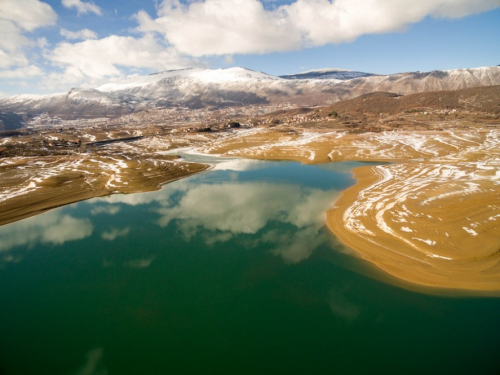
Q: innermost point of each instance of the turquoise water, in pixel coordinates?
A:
(226, 272)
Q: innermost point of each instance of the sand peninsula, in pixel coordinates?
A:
(30, 186)
(431, 217)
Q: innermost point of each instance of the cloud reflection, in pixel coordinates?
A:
(52, 227)
(342, 307)
(140, 263)
(114, 233)
(230, 209)
(287, 217)
(297, 246)
(93, 364)
(238, 165)
(110, 210)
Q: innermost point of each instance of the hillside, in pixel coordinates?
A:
(237, 87)
(340, 74)
(378, 111)
(482, 99)
(413, 82)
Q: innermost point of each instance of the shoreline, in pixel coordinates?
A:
(55, 194)
(404, 262)
(429, 216)
(426, 215)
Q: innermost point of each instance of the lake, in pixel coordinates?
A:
(227, 272)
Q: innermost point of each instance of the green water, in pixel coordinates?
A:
(227, 272)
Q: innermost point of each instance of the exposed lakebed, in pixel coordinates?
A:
(231, 271)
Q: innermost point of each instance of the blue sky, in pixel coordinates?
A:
(53, 45)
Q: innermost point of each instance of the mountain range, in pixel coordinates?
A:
(215, 89)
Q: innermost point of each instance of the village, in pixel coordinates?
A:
(52, 134)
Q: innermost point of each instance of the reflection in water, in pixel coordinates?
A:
(114, 233)
(133, 297)
(140, 263)
(284, 216)
(54, 228)
(238, 165)
(229, 209)
(341, 306)
(221, 211)
(247, 208)
(110, 210)
(93, 364)
(295, 246)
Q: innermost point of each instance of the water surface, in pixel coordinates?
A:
(227, 272)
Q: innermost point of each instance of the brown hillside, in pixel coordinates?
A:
(481, 99)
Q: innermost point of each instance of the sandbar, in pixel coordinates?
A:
(31, 186)
(448, 242)
(431, 217)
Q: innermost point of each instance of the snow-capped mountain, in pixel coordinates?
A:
(340, 74)
(206, 88)
(437, 80)
(207, 76)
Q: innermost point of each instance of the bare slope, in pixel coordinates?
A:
(236, 87)
(484, 99)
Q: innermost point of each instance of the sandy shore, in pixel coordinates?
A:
(431, 218)
(313, 147)
(30, 186)
(452, 243)
(433, 221)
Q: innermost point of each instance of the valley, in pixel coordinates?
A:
(427, 213)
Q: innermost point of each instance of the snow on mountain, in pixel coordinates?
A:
(205, 88)
(217, 76)
(328, 73)
(412, 82)
(29, 98)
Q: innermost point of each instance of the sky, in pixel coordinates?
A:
(53, 45)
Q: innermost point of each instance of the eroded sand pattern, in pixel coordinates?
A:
(29, 186)
(432, 219)
(432, 224)
(312, 147)
(435, 222)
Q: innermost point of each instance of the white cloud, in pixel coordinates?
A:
(224, 27)
(22, 72)
(12, 58)
(228, 59)
(27, 14)
(81, 34)
(221, 27)
(322, 21)
(95, 61)
(82, 7)
(12, 39)
(182, 32)
(16, 18)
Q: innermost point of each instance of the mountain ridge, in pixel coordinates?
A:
(234, 87)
